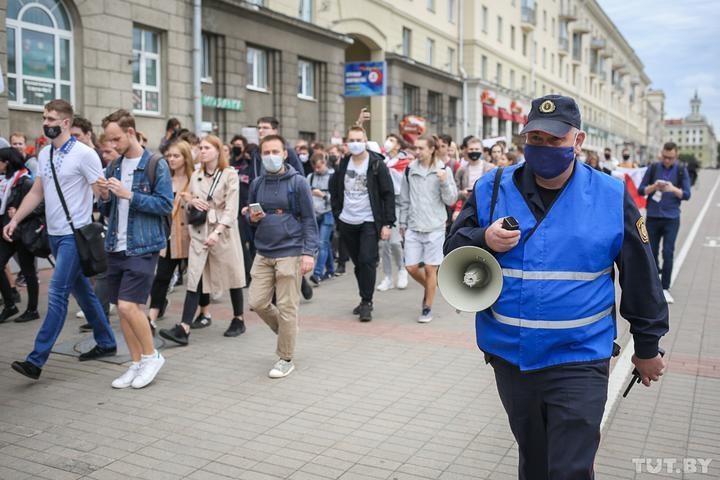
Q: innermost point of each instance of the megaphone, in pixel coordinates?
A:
(470, 279)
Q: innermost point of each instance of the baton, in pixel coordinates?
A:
(636, 376)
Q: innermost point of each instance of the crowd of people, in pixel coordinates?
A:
(217, 217)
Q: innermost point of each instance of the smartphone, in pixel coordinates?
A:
(255, 208)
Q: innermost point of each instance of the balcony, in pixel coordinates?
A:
(598, 43)
(564, 44)
(577, 56)
(602, 74)
(568, 12)
(582, 26)
(528, 19)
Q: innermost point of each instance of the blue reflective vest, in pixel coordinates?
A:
(558, 296)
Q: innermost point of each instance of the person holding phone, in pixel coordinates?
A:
(215, 261)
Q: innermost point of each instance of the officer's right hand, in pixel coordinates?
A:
(499, 239)
(650, 369)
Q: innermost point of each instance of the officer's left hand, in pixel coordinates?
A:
(650, 369)
(307, 262)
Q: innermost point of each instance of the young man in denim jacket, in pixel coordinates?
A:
(135, 200)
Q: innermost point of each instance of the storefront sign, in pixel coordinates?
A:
(222, 103)
(488, 97)
(365, 79)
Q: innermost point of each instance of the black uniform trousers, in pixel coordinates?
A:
(555, 416)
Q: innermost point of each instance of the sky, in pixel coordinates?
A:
(678, 41)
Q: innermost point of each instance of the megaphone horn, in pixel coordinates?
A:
(470, 279)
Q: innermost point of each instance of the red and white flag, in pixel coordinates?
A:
(632, 178)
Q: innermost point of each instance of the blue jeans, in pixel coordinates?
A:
(667, 230)
(325, 257)
(66, 279)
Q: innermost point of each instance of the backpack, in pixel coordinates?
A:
(680, 174)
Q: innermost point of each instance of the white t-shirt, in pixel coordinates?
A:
(78, 167)
(356, 203)
(127, 169)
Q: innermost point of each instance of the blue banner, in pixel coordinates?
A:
(365, 79)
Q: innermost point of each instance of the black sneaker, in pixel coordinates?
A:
(365, 311)
(161, 313)
(28, 316)
(27, 369)
(201, 321)
(86, 328)
(340, 270)
(356, 310)
(306, 289)
(315, 280)
(236, 328)
(20, 280)
(16, 298)
(8, 313)
(176, 334)
(97, 352)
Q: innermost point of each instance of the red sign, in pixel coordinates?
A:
(413, 125)
(487, 98)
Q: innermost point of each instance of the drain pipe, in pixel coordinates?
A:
(461, 62)
(197, 65)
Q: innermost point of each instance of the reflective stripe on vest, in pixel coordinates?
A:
(582, 276)
(552, 324)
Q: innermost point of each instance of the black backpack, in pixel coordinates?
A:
(680, 174)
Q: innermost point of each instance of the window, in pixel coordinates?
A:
(552, 63)
(523, 84)
(452, 111)
(259, 3)
(484, 67)
(553, 28)
(450, 59)
(306, 79)
(451, 11)
(434, 106)
(512, 37)
(499, 29)
(545, 20)
(257, 68)
(430, 51)
(406, 39)
(305, 10)
(512, 79)
(524, 44)
(146, 71)
(544, 56)
(207, 58)
(430, 5)
(40, 53)
(411, 96)
(484, 19)
(498, 74)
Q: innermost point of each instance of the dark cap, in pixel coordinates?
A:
(553, 114)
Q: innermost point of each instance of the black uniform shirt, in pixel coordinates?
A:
(642, 302)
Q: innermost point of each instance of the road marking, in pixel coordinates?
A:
(623, 367)
(712, 242)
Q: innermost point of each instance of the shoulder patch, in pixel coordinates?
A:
(642, 230)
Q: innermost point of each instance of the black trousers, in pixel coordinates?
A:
(555, 416)
(158, 292)
(27, 267)
(361, 242)
(193, 299)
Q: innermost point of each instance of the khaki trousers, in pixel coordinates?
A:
(280, 276)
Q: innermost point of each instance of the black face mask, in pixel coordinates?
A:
(626, 157)
(236, 151)
(475, 155)
(52, 132)
(332, 159)
(607, 156)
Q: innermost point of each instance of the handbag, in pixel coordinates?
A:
(90, 239)
(198, 217)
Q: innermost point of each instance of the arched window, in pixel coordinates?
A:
(40, 52)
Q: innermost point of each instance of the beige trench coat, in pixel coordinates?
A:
(221, 266)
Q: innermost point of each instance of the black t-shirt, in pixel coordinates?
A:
(547, 195)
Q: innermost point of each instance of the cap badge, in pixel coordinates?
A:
(547, 106)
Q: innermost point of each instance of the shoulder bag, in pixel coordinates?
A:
(198, 217)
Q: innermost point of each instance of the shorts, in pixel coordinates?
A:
(130, 278)
(425, 247)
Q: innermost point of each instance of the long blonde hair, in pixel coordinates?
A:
(186, 152)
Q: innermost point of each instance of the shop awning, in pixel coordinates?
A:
(504, 114)
(489, 111)
(518, 118)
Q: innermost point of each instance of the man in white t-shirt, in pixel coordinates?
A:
(363, 202)
(78, 171)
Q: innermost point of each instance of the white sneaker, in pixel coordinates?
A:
(80, 314)
(282, 368)
(668, 298)
(112, 310)
(385, 285)
(148, 369)
(402, 281)
(425, 315)
(126, 379)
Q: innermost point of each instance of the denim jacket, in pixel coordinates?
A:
(148, 207)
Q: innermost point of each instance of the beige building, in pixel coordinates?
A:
(467, 66)
(694, 135)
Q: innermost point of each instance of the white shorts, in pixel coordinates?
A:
(424, 247)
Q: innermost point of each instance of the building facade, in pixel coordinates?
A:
(694, 135)
(468, 67)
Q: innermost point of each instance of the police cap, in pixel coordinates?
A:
(553, 114)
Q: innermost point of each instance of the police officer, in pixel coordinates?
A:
(549, 336)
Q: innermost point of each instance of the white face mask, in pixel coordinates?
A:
(356, 148)
(304, 157)
(389, 145)
(272, 163)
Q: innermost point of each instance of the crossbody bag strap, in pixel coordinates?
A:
(496, 188)
(213, 186)
(59, 191)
